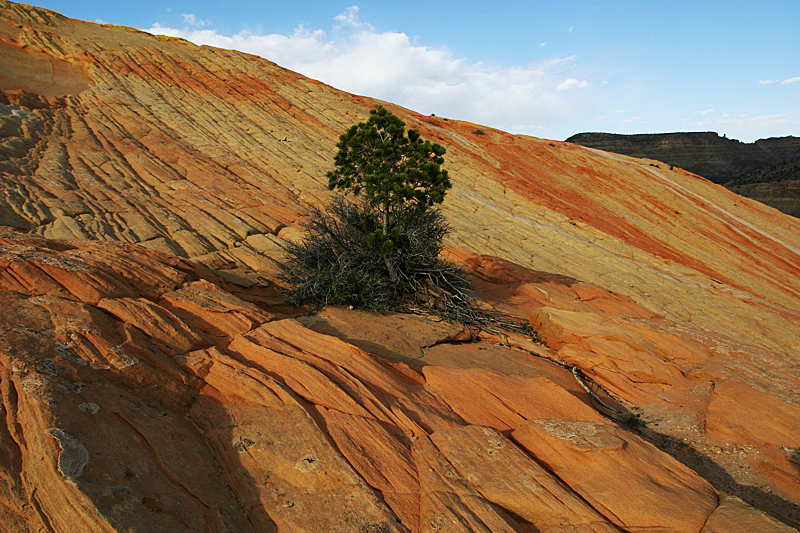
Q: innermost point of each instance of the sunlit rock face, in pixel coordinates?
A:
(152, 378)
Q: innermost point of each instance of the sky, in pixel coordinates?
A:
(548, 69)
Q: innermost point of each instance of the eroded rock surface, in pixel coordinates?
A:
(143, 392)
(215, 155)
(152, 378)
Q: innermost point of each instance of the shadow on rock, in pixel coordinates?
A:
(770, 504)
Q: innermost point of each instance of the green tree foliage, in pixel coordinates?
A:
(397, 172)
(382, 249)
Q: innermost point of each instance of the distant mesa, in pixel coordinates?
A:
(760, 170)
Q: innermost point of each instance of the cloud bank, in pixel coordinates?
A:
(549, 97)
(356, 58)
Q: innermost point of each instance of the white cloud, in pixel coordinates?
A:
(390, 66)
(570, 84)
(191, 20)
(570, 29)
(784, 82)
(629, 120)
(542, 44)
(350, 18)
(704, 112)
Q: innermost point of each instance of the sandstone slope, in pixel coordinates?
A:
(213, 155)
(143, 393)
(679, 297)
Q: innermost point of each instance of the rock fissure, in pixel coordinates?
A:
(37, 506)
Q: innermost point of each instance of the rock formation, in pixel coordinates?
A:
(716, 158)
(777, 185)
(719, 159)
(153, 380)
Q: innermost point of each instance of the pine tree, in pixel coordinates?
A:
(399, 173)
(383, 252)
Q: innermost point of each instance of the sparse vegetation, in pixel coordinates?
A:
(381, 250)
(341, 262)
(632, 420)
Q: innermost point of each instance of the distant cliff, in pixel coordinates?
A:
(716, 158)
(777, 185)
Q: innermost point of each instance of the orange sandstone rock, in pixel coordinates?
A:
(518, 483)
(589, 456)
(142, 390)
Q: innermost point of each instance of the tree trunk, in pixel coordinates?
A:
(385, 216)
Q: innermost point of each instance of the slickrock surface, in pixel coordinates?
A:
(139, 394)
(215, 155)
(157, 382)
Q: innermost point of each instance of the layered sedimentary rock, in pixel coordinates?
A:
(142, 392)
(153, 380)
(782, 195)
(776, 185)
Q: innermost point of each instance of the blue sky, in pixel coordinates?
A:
(549, 69)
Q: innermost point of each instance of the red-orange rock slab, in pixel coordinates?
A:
(392, 336)
(97, 457)
(635, 376)
(503, 402)
(740, 413)
(448, 502)
(558, 328)
(237, 383)
(382, 456)
(284, 470)
(158, 322)
(370, 387)
(737, 411)
(357, 362)
(517, 482)
(629, 481)
(304, 379)
(213, 310)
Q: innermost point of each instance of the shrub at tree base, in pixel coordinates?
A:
(340, 262)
